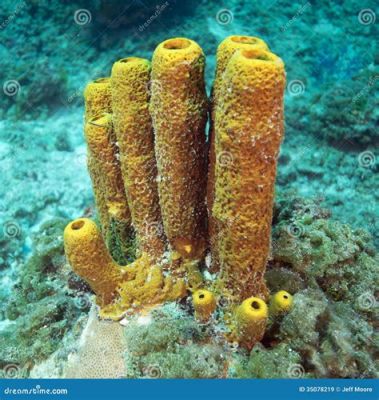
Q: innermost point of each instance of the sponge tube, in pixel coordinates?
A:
(134, 132)
(249, 130)
(225, 50)
(179, 110)
(89, 258)
(98, 133)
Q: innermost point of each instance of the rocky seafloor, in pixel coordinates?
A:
(325, 225)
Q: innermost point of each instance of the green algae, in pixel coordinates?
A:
(46, 302)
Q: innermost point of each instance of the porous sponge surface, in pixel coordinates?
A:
(102, 151)
(179, 109)
(89, 258)
(249, 129)
(134, 132)
(97, 100)
(225, 50)
(97, 96)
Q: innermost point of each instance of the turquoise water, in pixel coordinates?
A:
(50, 50)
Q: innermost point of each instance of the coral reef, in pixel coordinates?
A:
(174, 136)
(47, 58)
(328, 254)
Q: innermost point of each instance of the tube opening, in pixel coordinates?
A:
(101, 80)
(255, 305)
(129, 59)
(285, 297)
(201, 296)
(256, 55)
(244, 39)
(76, 225)
(100, 119)
(177, 44)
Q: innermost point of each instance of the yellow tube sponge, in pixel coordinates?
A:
(249, 130)
(134, 132)
(97, 100)
(140, 285)
(89, 258)
(225, 50)
(98, 134)
(204, 303)
(250, 320)
(97, 97)
(178, 107)
(280, 303)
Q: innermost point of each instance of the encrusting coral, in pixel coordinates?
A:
(152, 133)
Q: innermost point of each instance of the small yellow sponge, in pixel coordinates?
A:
(204, 303)
(280, 303)
(139, 285)
(251, 318)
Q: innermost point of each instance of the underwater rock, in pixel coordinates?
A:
(278, 362)
(168, 343)
(327, 254)
(348, 111)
